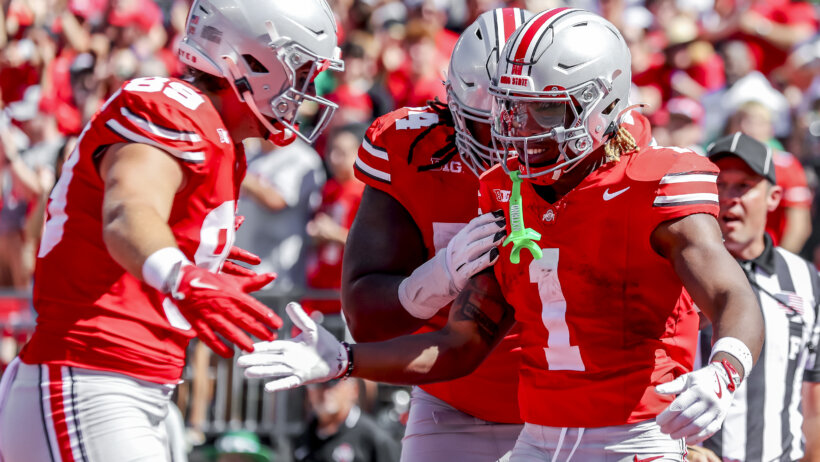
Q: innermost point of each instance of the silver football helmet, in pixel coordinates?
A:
(562, 83)
(472, 67)
(269, 52)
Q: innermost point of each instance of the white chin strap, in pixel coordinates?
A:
(247, 97)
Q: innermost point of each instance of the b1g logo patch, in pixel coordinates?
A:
(454, 166)
(502, 195)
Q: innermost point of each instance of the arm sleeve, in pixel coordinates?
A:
(372, 162)
(155, 119)
(688, 186)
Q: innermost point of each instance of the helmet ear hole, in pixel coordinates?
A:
(611, 106)
(478, 33)
(254, 64)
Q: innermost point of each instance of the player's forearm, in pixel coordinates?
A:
(132, 233)
(479, 318)
(715, 281)
(263, 193)
(417, 359)
(738, 316)
(734, 312)
(372, 308)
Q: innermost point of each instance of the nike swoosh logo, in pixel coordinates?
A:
(197, 283)
(648, 459)
(608, 195)
(719, 391)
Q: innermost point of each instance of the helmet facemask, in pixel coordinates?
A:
(471, 125)
(302, 67)
(547, 130)
(278, 114)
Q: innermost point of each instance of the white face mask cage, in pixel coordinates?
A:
(574, 141)
(286, 105)
(477, 156)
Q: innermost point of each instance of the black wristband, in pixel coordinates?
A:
(349, 369)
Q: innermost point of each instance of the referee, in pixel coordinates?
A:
(765, 422)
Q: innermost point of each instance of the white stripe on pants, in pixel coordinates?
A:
(438, 432)
(623, 443)
(65, 414)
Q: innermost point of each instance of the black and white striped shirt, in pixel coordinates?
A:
(764, 421)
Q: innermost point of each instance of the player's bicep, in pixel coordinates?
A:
(139, 175)
(480, 316)
(694, 246)
(382, 239)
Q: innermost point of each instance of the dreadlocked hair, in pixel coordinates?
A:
(449, 150)
(622, 142)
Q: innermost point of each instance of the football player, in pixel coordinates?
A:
(623, 242)
(132, 263)
(416, 241)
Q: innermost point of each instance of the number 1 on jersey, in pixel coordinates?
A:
(561, 356)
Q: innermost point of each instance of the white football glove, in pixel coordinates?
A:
(704, 397)
(438, 281)
(312, 356)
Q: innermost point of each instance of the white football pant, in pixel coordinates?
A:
(639, 442)
(51, 413)
(438, 432)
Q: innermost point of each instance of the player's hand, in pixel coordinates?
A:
(220, 304)
(700, 454)
(438, 281)
(243, 256)
(312, 356)
(704, 397)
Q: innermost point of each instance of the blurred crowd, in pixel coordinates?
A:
(701, 68)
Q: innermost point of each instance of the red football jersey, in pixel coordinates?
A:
(796, 193)
(604, 318)
(91, 312)
(410, 154)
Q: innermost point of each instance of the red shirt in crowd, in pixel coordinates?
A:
(796, 193)
(340, 201)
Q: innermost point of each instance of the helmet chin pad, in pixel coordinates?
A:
(281, 135)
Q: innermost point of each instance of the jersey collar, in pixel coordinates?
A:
(765, 260)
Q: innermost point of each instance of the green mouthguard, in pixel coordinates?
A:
(521, 237)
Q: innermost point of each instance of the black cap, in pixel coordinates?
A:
(758, 156)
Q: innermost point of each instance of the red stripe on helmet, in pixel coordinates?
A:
(508, 19)
(533, 29)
